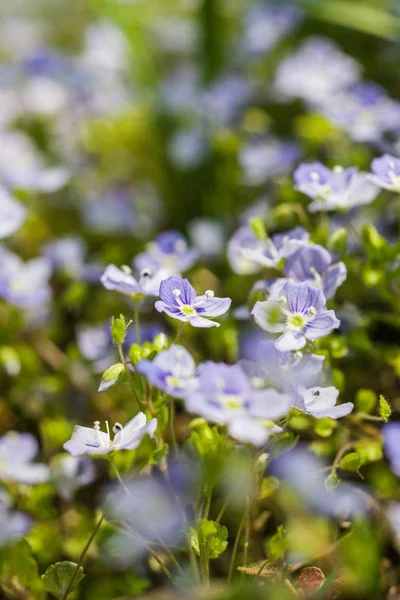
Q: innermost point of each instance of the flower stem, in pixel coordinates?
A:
(172, 424)
(204, 567)
(236, 546)
(129, 375)
(81, 558)
(178, 335)
(137, 323)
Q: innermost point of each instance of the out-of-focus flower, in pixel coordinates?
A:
(208, 237)
(124, 210)
(321, 402)
(304, 472)
(263, 158)
(17, 451)
(172, 371)
(12, 214)
(123, 281)
(363, 111)
(266, 24)
(179, 301)
(336, 189)
(21, 166)
(168, 251)
(247, 253)
(391, 436)
(224, 395)
(151, 510)
(67, 255)
(316, 70)
(71, 473)
(13, 525)
(188, 148)
(222, 102)
(313, 263)
(91, 440)
(25, 284)
(386, 172)
(298, 314)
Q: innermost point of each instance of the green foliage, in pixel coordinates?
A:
(118, 329)
(365, 401)
(58, 577)
(351, 462)
(258, 228)
(269, 485)
(278, 544)
(325, 427)
(215, 537)
(385, 409)
(286, 442)
(114, 374)
(19, 575)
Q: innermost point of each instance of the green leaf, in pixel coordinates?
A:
(113, 372)
(258, 228)
(158, 455)
(338, 241)
(269, 485)
(365, 400)
(332, 482)
(325, 427)
(370, 451)
(214, 535)
(285, 443)
(19, 572)
(57, 578)
(118, 329)
(384, 408)
(351, 462)
(278, 544)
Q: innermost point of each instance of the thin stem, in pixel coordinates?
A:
(340, 455)
(81, 558)
(204, 567)
(149, 549)
(235, 547)
(178, 335)
(193, 559)
(128, 373)
(261, 569)
(247, 531)
(137, 323)
(172, 425)
(367, 417)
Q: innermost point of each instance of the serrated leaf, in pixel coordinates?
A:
(213, 534)
(384, 408)
(58, 577)
(351, 462)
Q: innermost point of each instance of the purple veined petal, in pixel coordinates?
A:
(176, 360)
(171, 311)
(151, 284)
(212, 307)
(202, 404)
(270, 316)
(197, 321)
(18, 447)
(334, 277)
(323, 323)
(302, 296)
(86, 440)
(291, 340)
(312, 257)
(187, 293)
(249, 431)
(269, 404)
(215, 378)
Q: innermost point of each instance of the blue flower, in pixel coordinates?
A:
(262, 158)
(169, 251)
(224, 395)
(386, 172)
(13, 525)
(313, 263)
(70, 473)
(298, 313)
(391, 437)
(266, 24)
(316, 70)
(25, 284)
(321, 402)
(179, 300)
(336, 189)
(91, 440)
(123, 281)
(12, 214)
(363, 111)
(247, 254)
(17, 451)
(172, 371)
